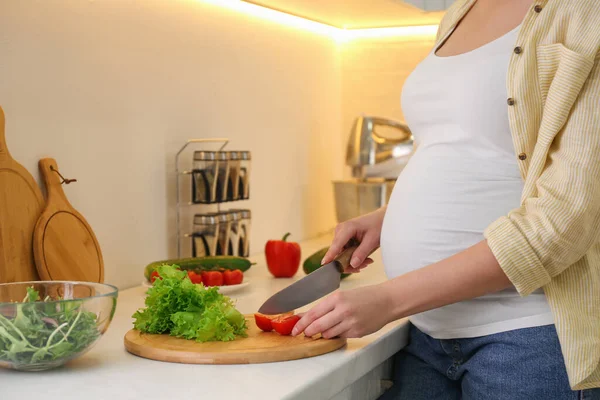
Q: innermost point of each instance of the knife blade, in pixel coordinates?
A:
(312, 287)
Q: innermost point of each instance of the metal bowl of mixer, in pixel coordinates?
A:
(377, 151)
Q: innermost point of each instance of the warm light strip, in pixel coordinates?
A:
(421, 30)
(278, 17)
(319, 28)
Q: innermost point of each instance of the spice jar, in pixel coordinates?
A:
(224, 245)
(244, 178)
(244, 233)
(204, 177)
(223, 182)
(234, 238)
(205, 235)
(234, 175)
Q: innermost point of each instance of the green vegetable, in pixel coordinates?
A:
(43, 331)
(202, 264)
(313, 262)
(176, 306)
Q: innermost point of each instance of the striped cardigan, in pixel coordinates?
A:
(552, 241)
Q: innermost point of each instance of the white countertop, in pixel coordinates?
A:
(108, 371)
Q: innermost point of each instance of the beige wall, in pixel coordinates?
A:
(373, 73)
(113, 88)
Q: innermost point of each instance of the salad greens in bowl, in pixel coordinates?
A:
(45, 324)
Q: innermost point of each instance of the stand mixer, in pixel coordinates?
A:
(378, 149)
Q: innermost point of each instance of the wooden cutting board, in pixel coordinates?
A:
(64, 244)
(258, 347)
(21, 204)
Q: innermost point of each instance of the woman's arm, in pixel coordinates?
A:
(469, 274)
(355, 313)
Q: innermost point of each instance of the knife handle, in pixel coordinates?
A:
(343, 259)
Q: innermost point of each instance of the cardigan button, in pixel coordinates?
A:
(518, 50)
(510, 101)
(522, 156)
(537, 8)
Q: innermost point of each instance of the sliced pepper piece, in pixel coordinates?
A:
(285, 324)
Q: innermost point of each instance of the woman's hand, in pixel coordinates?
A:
(367, 230)
(347, 314)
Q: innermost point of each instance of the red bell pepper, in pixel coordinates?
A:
(283, 258)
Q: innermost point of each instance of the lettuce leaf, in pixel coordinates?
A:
(176, 306)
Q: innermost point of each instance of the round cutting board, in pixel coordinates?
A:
(21, 204)
(258, 347)
(65, 247)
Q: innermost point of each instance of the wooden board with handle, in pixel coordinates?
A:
(64, 244)
(21, 204)
(258, 347)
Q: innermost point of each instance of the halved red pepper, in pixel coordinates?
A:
(285, 324)
(265, 322)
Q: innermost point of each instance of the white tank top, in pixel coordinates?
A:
(463, 176)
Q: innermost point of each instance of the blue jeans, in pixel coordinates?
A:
(515, 365)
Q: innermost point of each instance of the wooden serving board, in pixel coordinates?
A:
(258, 347)
(64, 244)
(21, 204)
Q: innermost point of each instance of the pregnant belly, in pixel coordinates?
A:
(441, 206)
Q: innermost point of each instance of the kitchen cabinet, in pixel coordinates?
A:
(431, 5)
(371, 386)
(361, 14)
(360, 370)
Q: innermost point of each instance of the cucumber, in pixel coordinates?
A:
(313, 262)
(202, 264)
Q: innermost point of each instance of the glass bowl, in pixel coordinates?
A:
(45, 324)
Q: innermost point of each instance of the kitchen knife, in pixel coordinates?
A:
(312, 287)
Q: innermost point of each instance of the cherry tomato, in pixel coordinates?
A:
(284, 324)
(234, 277)
(194, 277)
(153, 276)
(212, 278)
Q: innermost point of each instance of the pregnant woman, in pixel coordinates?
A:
(491, 238)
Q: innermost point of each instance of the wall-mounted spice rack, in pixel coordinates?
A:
(214, 177)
